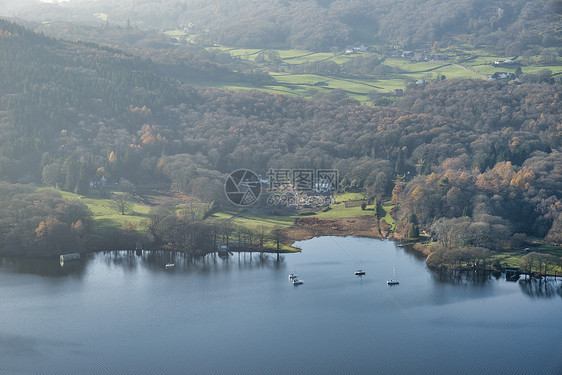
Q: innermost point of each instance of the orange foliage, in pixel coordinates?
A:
(497, 178)
(523, 178)
(112, 157)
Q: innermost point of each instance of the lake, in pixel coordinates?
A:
(123, 313)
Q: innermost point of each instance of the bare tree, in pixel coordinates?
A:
(277, 233)
(227, 229)
(123, 202)
(261, 232)
(250, 235)
(550, 262)
(529, 261)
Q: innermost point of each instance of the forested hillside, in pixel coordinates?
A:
(477, 155)
(510, 26)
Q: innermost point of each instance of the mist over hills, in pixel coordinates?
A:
(510, 26)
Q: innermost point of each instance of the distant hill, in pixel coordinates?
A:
(509, 26)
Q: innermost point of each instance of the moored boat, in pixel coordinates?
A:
(393, 281)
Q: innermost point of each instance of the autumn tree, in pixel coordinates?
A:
(123, 202)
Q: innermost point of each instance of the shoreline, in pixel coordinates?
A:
(307, 228)
(302, 229)
(265, 250)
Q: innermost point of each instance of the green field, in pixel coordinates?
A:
(339, 211)
(252, 220)
(107, 218)
(464, 62)
(345, 197)
(389, 219)
(512, 258)
(178, 34)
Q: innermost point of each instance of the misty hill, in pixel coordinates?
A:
(487, 152)
(509, 26)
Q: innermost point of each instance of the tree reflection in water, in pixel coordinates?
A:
(531, 286)
(130, 261)
(50, 267)
(455, 277)
(155, 260)
(539, 288)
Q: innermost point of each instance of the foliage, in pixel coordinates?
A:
(40, 223)
(464, 156)
(512, 26)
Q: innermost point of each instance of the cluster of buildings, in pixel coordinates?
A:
(358, 48)
(503, 76)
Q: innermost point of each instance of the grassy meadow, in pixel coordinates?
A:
(107, 217)
(463, 62)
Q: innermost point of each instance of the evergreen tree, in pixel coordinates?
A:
(71, 171)
(399, 165)
(413, 231)
(83, 184)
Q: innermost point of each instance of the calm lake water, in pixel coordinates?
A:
(125, 314)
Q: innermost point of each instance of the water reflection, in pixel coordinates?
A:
(133, 316)
(131, 261)
(454, 277)
(415, 253)
(540, 288)
(156, 261)
(531, 287)
(44, 267)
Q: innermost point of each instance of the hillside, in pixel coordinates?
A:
(512, 27)
(484, 155)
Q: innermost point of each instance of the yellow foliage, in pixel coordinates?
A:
(41, 230)
(505, 170)
(523, 178)
(148, 139)
(78, 226)
(515, 141)
(431, 178)
(112, 157)
(417, 194)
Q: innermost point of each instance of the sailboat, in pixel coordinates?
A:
(171, 264)
(293, 275)
(360, 271)
(393, 281)
(297, 281)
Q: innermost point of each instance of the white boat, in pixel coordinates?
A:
(393, 281)
(297, 281)
(170, 265)
(292, 276)
(359, 273)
